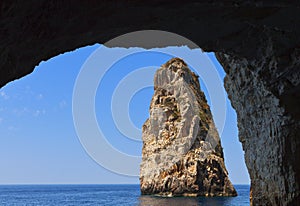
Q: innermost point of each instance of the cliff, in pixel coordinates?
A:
(182, 153)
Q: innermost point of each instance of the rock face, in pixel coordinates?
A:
(268, 131)
(182, 153)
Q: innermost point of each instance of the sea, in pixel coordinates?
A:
(123, 195)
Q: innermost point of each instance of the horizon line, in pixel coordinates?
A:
(41, 184)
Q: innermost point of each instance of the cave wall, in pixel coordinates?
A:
(268, 132)
(257, 42)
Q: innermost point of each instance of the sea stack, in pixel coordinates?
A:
(182, 153)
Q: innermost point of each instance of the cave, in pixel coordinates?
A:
(256, 42)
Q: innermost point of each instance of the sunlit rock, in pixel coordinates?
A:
(182, 153)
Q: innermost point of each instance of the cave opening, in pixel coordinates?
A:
(256, 42)
(38, 131)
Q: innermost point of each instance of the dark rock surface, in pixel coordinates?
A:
(182, 153)
(268, 132)
(257, 43)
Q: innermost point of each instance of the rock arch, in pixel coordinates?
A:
(256, 42)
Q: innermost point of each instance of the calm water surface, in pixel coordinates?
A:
(54, 195)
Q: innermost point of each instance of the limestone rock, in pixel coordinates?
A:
(182, 153)
(269, 132)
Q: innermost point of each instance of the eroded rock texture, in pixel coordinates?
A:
(182, 153)
(258, 91)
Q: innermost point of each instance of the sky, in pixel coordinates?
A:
(40, 144)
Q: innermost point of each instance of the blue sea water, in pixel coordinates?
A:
(115, 195)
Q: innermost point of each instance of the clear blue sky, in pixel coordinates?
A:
(38, 141)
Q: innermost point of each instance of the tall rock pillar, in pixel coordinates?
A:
(182, 153)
